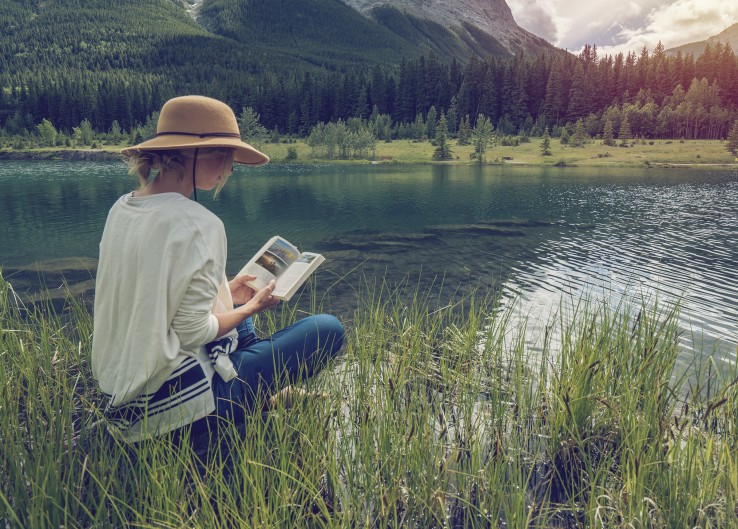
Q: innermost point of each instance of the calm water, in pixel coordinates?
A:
(545, 237)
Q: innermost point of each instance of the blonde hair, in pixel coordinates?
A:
(148, 165)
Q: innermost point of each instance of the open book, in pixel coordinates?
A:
(281, 261)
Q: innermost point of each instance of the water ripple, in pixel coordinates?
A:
(666, 245)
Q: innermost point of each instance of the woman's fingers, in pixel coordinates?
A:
(265, 298)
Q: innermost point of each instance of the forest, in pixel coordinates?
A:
(656, 94)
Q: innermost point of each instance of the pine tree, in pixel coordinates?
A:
(464, 131)
(419, 128)
(430, 123)
(451, 115)
(546, 144)
(732, 145)
(579, 136)
(608, 137)
(625, 133)
(443, 150)
(116, 133)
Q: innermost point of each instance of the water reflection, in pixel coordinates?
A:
(663, 244)
(542, 234)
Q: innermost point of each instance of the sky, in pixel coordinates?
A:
(623, 26)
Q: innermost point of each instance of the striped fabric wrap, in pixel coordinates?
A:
(185, 396)
(219, 351)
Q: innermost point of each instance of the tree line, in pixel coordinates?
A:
(655, 94)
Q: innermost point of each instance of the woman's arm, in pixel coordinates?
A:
(261, 300)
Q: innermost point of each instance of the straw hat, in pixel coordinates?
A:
(189, 122)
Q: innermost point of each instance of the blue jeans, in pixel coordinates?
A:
(293, 353)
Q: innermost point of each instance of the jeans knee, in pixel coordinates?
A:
(330, 330)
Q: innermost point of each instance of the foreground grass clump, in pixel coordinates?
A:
(432, 418)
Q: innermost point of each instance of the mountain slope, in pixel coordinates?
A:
(103, 35)
(171, 37)
(727, 36)
(331, 31)
(479, 20)
(321, 32)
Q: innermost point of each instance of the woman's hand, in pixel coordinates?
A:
(253, 302)
(240, 291)
(262, 300)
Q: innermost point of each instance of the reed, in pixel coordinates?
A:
(431, 417)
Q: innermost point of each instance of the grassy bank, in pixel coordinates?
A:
(593, 154)
(431, 419)
(697, 153)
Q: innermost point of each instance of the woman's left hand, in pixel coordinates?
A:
(240, 291)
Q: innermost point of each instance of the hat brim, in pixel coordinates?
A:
(243, 152)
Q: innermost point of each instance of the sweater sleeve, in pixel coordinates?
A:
(194, 322)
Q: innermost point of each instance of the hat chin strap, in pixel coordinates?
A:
(194, 167)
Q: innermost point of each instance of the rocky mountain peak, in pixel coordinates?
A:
(493, 17)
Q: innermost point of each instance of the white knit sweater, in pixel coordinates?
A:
(160, 277)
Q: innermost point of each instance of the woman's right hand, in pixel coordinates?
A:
(262, 300)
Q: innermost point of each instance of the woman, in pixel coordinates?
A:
(169, 346)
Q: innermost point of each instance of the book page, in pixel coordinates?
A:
(297, 273)
(270, 262)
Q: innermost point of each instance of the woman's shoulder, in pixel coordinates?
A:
(201, 216)
(170, 213)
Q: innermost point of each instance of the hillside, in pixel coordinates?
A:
(728, 36)
(105, 35)
(488, 23)
(161, 36)
(331, 32)
(111, 63)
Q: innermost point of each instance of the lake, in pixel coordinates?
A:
(544, 237)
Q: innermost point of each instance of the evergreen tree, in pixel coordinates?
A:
(564, 136)
(579, 136)
(430, 123)
(116, 133)
(546, 144)
(418, 128)
(443, 149)
(451, 115)
(625, 133)
(732, 145)
(464, 131)
(608, 137)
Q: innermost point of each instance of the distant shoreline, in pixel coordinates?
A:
(88, 155)
(638, 153)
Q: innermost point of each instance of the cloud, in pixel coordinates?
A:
(537, 16)
(622, 27)
(677, 23)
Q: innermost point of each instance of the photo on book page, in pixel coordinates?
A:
(271, 262)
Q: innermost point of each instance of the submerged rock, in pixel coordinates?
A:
(381, 241)
(53, 281)
(480, 228)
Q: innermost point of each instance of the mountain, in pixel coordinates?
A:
(727, 36)
(253, 35)
(332, 32)
(297, 62)
(486, 22)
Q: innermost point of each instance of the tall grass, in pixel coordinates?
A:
(432, 417)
